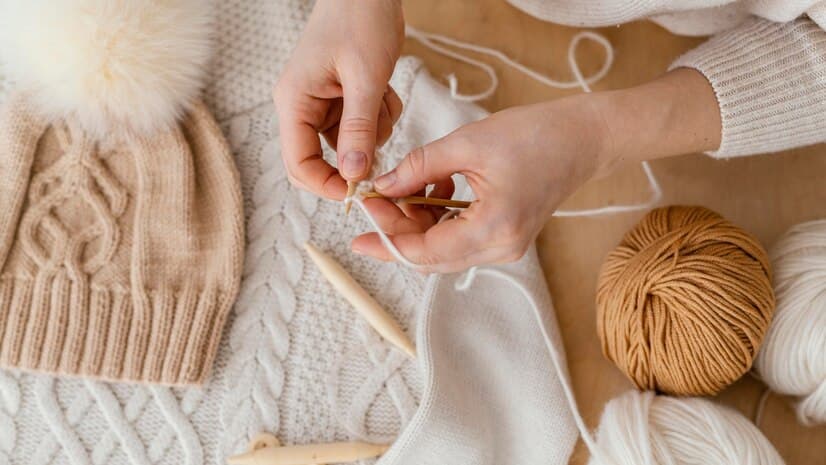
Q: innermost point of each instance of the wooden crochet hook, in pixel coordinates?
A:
(419, 200)
(265, 449)
(361, 300)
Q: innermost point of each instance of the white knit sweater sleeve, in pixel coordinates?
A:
(770, 82)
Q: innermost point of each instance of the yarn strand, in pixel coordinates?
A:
(465, 284)
(437, 43)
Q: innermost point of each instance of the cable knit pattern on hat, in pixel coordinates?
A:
(116, 261)
(121, 232)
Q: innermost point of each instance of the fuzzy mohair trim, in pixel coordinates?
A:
(134, 65)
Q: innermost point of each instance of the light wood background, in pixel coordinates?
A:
(764, 194)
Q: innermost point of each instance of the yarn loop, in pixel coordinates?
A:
(684, 301)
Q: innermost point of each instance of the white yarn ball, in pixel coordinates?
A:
(641, 428)
(792, 360)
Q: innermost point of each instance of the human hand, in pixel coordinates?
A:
(523, 162)
(336, 85)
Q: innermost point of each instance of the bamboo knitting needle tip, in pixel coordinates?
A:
(310, 454)
(361, 300)
(351, 191)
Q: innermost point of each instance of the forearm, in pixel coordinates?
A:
(671, 115)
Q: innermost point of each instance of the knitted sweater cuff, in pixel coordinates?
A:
(770, 82)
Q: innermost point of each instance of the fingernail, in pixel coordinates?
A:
(385, 181)
(354, 164)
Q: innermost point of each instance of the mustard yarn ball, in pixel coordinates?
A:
(684, 301)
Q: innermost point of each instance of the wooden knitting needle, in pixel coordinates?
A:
(419, 200)
(361, 300)
(266, 450)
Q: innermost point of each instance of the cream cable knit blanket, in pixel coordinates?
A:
(295, 359)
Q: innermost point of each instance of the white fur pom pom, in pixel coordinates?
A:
(112, 64)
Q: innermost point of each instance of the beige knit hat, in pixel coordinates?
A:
(121, 242)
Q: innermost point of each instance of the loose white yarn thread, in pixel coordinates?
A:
(436, 43)
(792, 359)
(626, 434)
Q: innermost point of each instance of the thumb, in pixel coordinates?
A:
(358, 129)
(425, 165)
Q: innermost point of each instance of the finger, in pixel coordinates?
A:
(393, 220)
(388, 116)
(385, 125)
(449, 246)
(420, 213)
(333, 116)
(331, 136)
(444, 248)
(443, 189)
(370, 244)
(357, 132)
(301, 151)
(329, 129)
(316, 175)
(394, 104)
(425, 165)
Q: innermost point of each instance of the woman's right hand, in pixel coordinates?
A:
(336, 85)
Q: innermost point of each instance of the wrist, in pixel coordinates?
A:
(575, 126)
(672, 115)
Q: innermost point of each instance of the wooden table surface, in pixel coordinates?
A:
(764, 194)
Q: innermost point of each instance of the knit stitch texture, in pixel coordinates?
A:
(119, 258)
(295, 359)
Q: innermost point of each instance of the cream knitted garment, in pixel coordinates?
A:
(295, 359)
(767, 63)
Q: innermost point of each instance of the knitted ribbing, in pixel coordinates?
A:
(770, 82)
(117, 262)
